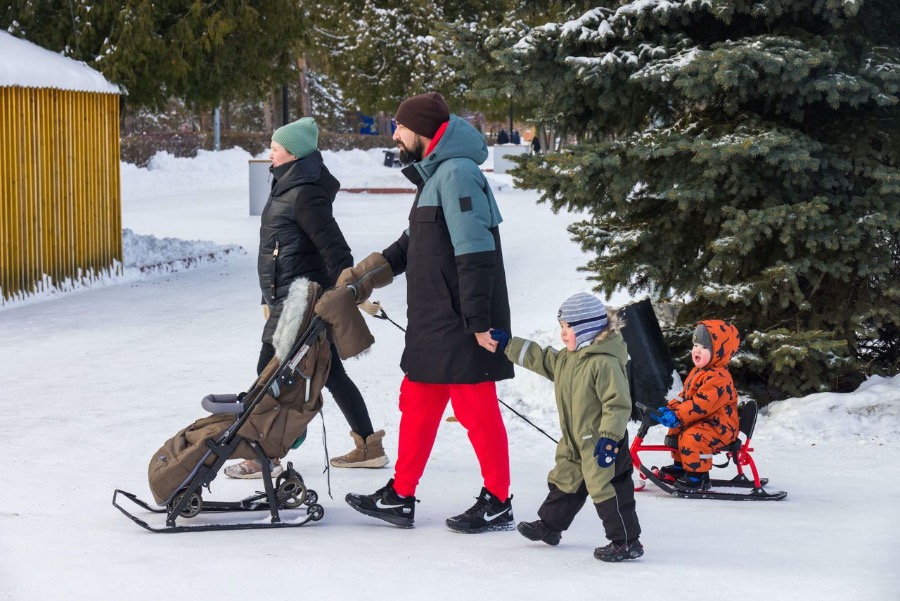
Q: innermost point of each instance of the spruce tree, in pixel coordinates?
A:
(742, 156)
(202, 52)
(498, 92)
(379, 52)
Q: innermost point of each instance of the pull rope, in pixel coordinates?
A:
(382, 314)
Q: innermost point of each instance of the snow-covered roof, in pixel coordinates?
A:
(27, 65)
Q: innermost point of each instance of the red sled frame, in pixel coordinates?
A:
(738, 453)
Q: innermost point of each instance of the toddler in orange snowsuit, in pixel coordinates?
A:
(704, 416)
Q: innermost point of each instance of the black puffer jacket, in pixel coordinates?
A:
(298, 235)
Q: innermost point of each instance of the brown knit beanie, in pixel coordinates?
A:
(424, 114)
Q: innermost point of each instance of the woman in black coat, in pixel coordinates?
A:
(299, 238)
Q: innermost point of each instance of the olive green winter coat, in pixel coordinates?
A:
(593, 401)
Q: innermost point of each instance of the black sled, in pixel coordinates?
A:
(738, 453)
(262, 425)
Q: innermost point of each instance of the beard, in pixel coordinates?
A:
(410, 155)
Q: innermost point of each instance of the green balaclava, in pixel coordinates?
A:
(298, 138)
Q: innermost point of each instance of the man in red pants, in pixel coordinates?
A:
(456, 293)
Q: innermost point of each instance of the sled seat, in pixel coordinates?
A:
(222, 403)
(746, 423)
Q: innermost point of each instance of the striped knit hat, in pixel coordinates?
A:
(586, 315)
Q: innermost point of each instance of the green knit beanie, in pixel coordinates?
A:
(298, 138)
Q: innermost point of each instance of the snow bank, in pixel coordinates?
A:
(870, 413)
(149, 253)
(229, 168)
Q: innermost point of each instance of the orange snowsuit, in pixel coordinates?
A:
(707, 407)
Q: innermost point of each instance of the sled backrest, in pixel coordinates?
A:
(650, 369)
(747, 418)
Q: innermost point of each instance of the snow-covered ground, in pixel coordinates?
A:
(94, 380)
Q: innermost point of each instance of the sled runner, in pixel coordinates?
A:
(262, 424)
(289, 492)
(738, 488)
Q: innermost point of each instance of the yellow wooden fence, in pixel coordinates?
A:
(60, 199)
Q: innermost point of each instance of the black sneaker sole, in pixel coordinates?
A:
(396, 520)
(489, 528)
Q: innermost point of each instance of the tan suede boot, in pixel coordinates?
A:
(368, 452)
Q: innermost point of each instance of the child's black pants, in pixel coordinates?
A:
(618, 513)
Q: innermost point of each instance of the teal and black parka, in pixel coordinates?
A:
(451, 254)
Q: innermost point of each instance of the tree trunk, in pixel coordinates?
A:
(305, 101)
(267, 113)
(384, 125)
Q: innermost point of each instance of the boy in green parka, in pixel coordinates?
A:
(594, 406)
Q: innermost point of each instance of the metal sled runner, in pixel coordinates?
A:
(739, 488)
(289, 492)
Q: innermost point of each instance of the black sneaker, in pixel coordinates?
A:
(539, 530)
(619, 551)
(486, 514)
(693, 482)
(670, 473)
(385, 504)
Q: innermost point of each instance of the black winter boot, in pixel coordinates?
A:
(670, 473)
(539, 531)
(693, 482)
(385, 504)
(619, 551)
(486, 514)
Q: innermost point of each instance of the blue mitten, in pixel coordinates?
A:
(502, 339)
(666, 417)
(605, 452)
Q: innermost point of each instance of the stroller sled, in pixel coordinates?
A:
(263, 424)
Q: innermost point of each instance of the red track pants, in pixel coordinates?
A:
(478, 411)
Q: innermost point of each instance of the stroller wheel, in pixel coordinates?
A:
(311, 497)
(193, 507)
(316, 512)
(292, 492)
(289, 474)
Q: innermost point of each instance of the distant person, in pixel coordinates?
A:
(536, 144)
(704, 417)
(502, 137)
(516, 139)
(456, 291)
(594, 405)
(299, 238)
